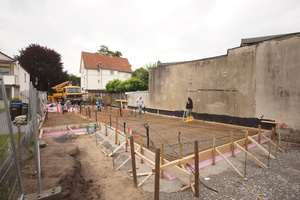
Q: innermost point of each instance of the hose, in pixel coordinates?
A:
(193, 170)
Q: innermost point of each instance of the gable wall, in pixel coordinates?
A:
(249, 81)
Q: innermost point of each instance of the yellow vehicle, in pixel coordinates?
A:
(65, 91)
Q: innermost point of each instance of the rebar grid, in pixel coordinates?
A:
(172, 132)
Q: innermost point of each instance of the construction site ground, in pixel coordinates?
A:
(80, 166)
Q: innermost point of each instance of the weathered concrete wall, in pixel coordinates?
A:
(249, 81)
(132, 97)
(277, 70)
(221, 85)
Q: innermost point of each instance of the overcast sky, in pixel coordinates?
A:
(143, 31)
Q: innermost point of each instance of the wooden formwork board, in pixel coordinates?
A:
(180, 173)
(172, 166)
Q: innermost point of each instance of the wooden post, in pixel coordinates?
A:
(246, 139)
(232, 145)
(273, 133)
(196, 169)
(109, 120)
(133, 162)
(180, 150)
(214, 151)
(126, 140)
(105, 130)
(246, 148)
(157, 170)
(141, 147)
(259, 133)
(162, 159)
(116, 136)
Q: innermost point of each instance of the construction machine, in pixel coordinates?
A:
(65, 91)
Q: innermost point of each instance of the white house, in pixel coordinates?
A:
(97, 70)
(15, 77)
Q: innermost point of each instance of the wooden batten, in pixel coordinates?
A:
(251, 156)
(260, 147)
(172, 166)
(148, 155)
(41, 133)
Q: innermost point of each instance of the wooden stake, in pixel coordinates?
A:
(162, 159)
(157, 170)
(273, 133)
(246, 155)
(259, 133)
(180, 150)
(214, 151)
(126, 140)
(196, 150)
(141, 147)
(246, 139)
(232, 145)
(116, 136)
(133, 162)
(105, 130)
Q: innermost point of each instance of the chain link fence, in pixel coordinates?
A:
(16, 139)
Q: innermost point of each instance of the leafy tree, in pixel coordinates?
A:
(118, 86)
(75, 79)
(143, 75)
(138, 82)
(44, 66)
(105, 51)
(111, 86)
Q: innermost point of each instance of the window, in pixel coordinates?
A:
(4, 70)
(111, 72)
(25, 77)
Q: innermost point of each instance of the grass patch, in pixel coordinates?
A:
(4, 142)
(2, 110)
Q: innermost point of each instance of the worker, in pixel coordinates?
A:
(189, 108)
(140, 103)
(68, 103)
(65, 108)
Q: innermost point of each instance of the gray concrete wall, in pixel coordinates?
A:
(132, 97)
(221, 85)
(277, 70)
(249, 81)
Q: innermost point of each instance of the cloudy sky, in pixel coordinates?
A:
(145, 31)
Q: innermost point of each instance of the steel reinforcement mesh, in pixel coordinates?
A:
(172, 132)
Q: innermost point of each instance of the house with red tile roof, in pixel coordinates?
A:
(97, 70)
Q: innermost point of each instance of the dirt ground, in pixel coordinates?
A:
(83, 171)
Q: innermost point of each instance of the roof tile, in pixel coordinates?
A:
(91, 60)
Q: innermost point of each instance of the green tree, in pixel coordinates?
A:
(118, 86)
(112, 86)
(104, 50)
(44, 66)
(75, 79)
(143, 75)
